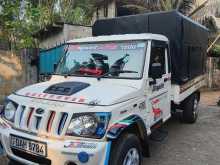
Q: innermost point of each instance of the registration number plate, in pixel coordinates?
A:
(28, 145)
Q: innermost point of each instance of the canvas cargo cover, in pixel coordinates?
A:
(188, 39)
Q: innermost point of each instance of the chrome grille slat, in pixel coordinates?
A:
(33, 121)
(43, 123)
(21, 114)
(18, 115)
(23, 123)
(55, 123)
(62, 123)
(38, 121)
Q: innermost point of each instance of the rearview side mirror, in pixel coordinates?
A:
(151, 81)
(156, 72)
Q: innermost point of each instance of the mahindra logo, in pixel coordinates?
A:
(40, 111)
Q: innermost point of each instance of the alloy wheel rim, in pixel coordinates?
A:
(132, 157)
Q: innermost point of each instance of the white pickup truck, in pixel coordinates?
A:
(108, 94)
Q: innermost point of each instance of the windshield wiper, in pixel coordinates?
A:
(116, 72)
(75, 73)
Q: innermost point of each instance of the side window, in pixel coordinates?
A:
(157, 66)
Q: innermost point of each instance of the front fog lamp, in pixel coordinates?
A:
(91, 125)
(9, 111)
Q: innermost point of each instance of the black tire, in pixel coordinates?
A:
(190, 108)
(13, 162)
(120, 148)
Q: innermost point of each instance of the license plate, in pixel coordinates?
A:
(28, 145)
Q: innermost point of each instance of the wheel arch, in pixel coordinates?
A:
(135, 126)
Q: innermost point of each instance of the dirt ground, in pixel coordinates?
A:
(186, 144)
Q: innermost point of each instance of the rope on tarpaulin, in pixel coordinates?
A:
(213, 43)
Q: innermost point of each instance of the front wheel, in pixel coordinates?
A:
(190, 108)
(126, 151)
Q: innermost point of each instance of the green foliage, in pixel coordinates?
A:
(15, 28)
(18, 28)
(20, 19)
(77, 11)
(215, 51)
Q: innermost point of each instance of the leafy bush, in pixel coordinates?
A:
(215, 51)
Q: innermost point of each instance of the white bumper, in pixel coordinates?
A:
(58, 152)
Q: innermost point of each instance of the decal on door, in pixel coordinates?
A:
(157, 112)
(158, 87)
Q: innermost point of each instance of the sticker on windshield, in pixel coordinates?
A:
(141, 45)
(109, 46)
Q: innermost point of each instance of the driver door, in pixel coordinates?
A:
(159, 83)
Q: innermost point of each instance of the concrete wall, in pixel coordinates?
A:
(16, 72)
(67, 33)
(51, 41)
(73, 31)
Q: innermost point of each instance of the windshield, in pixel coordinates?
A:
(117, 60)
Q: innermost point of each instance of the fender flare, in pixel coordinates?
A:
(116, 129)
(126, 124)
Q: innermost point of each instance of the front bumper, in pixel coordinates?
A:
(58, 151)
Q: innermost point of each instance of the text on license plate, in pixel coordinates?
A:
(28, 145)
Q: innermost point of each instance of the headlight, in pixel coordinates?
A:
(91, 125)
(9, 111)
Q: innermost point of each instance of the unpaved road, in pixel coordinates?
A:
(197, 144)
(186, 144)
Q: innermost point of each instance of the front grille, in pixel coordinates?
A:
(30, 157)
(38, 120)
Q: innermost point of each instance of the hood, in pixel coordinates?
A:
(99, 93)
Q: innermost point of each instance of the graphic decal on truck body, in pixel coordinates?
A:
(115, 130)
(156, 109)
(55, 97)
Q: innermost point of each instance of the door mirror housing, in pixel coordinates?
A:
(156, 72)
(151, 81)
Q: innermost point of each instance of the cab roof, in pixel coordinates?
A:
(124, 37)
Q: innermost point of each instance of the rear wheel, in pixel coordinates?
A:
(190, 108)
(126, 151)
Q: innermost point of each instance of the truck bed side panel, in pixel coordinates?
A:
(181, 92)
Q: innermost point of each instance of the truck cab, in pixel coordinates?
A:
(107, 96)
